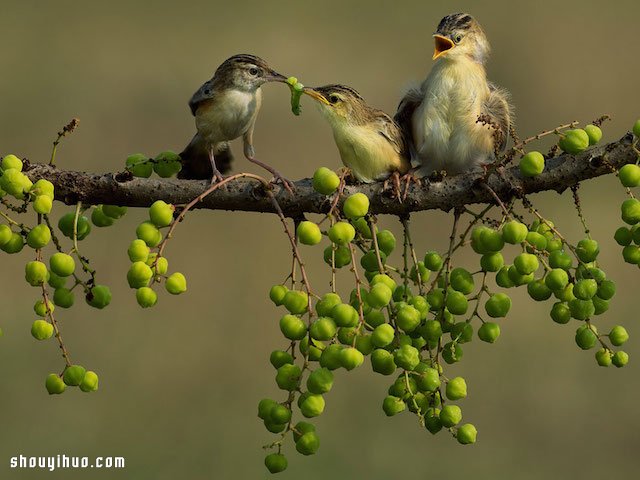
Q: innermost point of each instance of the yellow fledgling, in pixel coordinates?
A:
(370, 143)
(456, 120)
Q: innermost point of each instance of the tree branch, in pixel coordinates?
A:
(247, 195)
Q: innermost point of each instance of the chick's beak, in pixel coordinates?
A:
(315, 95)
(443, 45)
(274, 76)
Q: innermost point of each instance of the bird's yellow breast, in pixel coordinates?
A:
(366, 152)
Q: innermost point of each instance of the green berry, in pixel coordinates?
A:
(502, 278)
(489, 332)
(264, 408)
(65, 224)
(490, 241)
(276, 462)
(450, 415)
(379, 296)
(15, 183)
(457, 303)
(560, 259)
(39, 236)
(11, 161)
(5, 234)
(623, 236)
(139, 275)
(63, 297)
(146, 297)
(35, 273)
(99, 219)
(432, 421)
(362, 227)
(41, 308)
(89, 382)
(538, 290)
(630, 211)
(536, 241)
(466, 434)
(603, 357)
(330, 357)
(54, 384)
(498, 305)
(351, 358)
(383, 335)
(565, 294)
(176, 283)
(167, 164)
(288, 377)
(345, 315)
(429, 380)
(618, 335)
(556, 279)
(386, 241)
(139, 165)
(308, 443)
(369, 260)
(408, 318)
(308, 233)
(301, 428)
(161, 213)
(320, 381)
(279, 414)
(630, 175)
(517, 278)
(456, 388)
(341, 256)
(433, 261)
(41, 330)
(514, 232)
(382, 362)
(581, 309)
(585, 338)
(43, 204)
(325, 305)
(324, 328)
(574, 141)
(114, 211)
(526, 263)
(407, 357)
(138, 251)
(594, 133)
(392, 405)
(620, 358)
(356, 206)
(99, 296)
(56, 281)
(325, 181)
(342, 233)
(279, 358)
(43, 188)
(161, 264)
(461, 281)
(62, 264)
(73, 375)
(293, 327)
(585, 289)
(532, 164)
(636, 128)
(587, 250)
(312, 406)
(491, 262)
(149, 233)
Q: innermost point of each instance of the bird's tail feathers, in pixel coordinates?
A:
(196, 163)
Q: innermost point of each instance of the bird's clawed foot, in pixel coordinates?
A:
(216, 177)
(288, 184)
(398, 192)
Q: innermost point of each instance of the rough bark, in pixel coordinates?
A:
(122, 189)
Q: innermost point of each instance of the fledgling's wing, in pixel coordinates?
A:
(204, 93)
(391, 131)
(404, 118)
(500, 112)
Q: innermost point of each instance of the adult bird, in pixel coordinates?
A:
(225, 108)
(456, 121)
(370, 143)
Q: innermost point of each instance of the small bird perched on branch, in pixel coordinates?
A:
(225, 108)
(370, 143)
(457, 120)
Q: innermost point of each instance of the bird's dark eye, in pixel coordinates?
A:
(334, 99)
(458, 38)
(253, 71)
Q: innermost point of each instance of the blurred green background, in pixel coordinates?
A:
(179, 383)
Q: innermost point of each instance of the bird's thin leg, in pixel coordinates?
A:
(217, 176)
(395, 178)
(409, 178)
(249, 153)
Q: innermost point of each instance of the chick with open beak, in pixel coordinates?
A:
(370, 143)
(457, 120)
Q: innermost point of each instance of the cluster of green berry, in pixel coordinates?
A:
(14, 235)
(165, 164)
(149, 267)
(629, 237)
(571, 141)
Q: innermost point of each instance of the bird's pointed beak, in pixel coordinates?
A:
(443, 45)
(274, 76)
(315, 95)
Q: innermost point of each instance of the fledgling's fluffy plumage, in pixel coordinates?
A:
(456, 120)
(370, 143)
